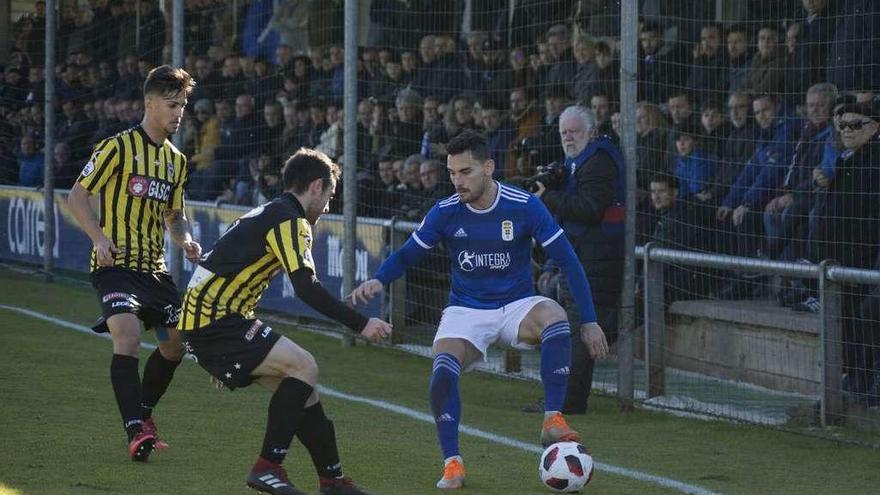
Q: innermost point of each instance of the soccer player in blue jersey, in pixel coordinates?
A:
(488, 229)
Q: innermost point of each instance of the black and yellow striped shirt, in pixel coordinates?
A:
(232, 276)
(136, 180)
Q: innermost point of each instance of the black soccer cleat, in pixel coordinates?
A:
(339, 486)
(271, 478)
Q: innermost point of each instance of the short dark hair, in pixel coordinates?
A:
(740, 28)
(667, 179)
(469, 140)
(766, 96)
(652, 27)
(168, 81)
(304, 167)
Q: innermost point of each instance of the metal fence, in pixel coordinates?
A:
(707, 324)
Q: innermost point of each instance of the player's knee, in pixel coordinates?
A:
(303, 367)
(172, 350)
(546, 313)
(126, 344)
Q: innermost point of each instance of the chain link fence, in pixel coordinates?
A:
(755, 129)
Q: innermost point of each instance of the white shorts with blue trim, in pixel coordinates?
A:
(483, 327)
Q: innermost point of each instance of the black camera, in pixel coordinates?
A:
(551, 175)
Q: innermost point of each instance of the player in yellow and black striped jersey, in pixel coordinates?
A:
(219, 327)
(139, 178)
(136, 181)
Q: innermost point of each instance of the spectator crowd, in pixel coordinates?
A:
(756, 135)
(744, 115)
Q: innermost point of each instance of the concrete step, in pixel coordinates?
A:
(755, 342)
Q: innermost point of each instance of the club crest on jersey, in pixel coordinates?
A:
(140, 186)
(507, 230)
(137, 186)
(170, 171)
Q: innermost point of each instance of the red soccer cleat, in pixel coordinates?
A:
(140, 447)
(149, 428)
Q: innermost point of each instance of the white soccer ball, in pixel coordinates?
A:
(566, 467)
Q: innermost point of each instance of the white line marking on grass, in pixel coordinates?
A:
(420, 416)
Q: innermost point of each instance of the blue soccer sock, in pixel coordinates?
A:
(555, 364)
(446, 402)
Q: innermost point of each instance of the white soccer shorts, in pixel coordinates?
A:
(483, 327)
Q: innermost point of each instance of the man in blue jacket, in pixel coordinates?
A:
(763, 174)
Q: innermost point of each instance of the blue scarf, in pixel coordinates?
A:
(614, 217)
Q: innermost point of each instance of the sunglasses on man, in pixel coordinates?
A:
(855, 125)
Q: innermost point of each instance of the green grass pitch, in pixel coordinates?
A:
(60, 432)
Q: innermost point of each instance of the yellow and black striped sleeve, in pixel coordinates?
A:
(177, 196)
(101, 166)
(291, 242)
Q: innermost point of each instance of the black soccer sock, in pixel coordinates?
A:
(127, 388)
(158, 373)
(285, 417)
(317, 434)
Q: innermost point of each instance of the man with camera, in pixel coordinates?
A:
(587, 201)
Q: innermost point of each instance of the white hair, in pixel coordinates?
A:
(825, 89)
(581, 112)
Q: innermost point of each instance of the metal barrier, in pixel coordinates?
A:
(828, 276)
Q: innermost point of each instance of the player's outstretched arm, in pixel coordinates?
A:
(310, 291)
(366, 291)
(376, 330)
(560, 250)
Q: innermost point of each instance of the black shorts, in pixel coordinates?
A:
(152, 297)
(231, 348)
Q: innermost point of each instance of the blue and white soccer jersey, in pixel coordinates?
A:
(490, 254)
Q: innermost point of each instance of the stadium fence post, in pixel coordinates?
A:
(397, 294)
(512, 361)
(178, 59)
(830, 348)
(178, 55)
(654, 324)
(629, 38)
(349, 141)
(5, 35)
(49, 145)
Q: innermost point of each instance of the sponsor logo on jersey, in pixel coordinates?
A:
(252, 331)
(140, 186)
(507, 230)
(200, 275)
(125, 304)
(460, 233)
(115, 295)
(172, 315)
(469, 261)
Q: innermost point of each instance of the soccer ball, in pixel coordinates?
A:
(566, 467)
